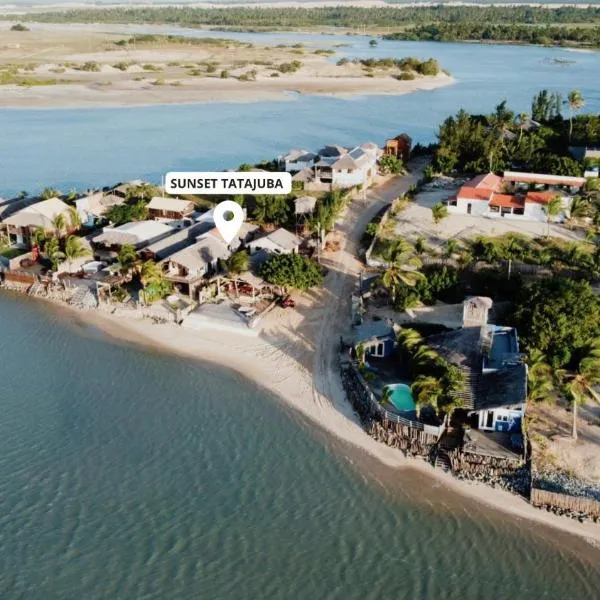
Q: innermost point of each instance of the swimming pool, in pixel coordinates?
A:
(401, 397)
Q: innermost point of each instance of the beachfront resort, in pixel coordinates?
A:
(438, 357)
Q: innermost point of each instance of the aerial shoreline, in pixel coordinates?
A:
(247, 355)
(83, 97)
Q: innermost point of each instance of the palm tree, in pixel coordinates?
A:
(421, 245)
(48, 193)
(409, 338)
(452, 247)
(540, 383)
(75, 248)
(402, 265)
(424, 355)
(60, 224)
(575, 102)
(154, 282)
(38, 237)
(438, 212)
(74, 218)
(427, 391)
(54, 253)
(579, 387)
(553, 209)
(522, 122)
(127, 258)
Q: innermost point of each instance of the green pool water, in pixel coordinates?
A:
(401, 397)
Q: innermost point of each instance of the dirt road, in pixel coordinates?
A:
(343, 271)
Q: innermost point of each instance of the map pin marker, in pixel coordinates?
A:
(228, 217)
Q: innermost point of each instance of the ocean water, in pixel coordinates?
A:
(81, 148)
(125, 473)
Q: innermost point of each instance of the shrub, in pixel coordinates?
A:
(292, 270)
(19, 27)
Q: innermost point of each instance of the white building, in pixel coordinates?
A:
(280, 241)
(297, 160)
(138, 234)
(515, 195)
(335, 167)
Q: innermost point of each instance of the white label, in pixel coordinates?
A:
(219, 183)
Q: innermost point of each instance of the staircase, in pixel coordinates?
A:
(471, 390)
(442, 461)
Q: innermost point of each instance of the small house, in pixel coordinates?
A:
(495, 375)
(377, 338)
(297, 160)
(398, 147)
(280, 241)
(42, 215)
(138, 234)
(170, 208)
(188, 267)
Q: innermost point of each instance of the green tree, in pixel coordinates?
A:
(23, 194)
(53, 252)
(390, 164)
(38, 237)
(575, 102)
(238, 262)
(438, 212)
(292, 271)
(539, 377)
(74, 249)
(127, 258)
(421, 246)
(427, 391)
(48, 193)
(60, 224)
(558, 317)
(552, 210)
(74, 218)
(155, 285)
(579, 386)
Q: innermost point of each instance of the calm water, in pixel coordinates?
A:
(128, 474)
(84, 148)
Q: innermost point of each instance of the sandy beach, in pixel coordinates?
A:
(85, 66)
(294, 355)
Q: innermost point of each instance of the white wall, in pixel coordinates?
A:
(298, 165)
(479, 208)
(498, 414)
(358, 176)
(267, 245)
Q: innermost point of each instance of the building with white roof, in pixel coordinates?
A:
(21, 224)
(280, 241)
(138, 234)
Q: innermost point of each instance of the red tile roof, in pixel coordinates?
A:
(489, 181)
(506, 201)
(471, 193)
(540, 197)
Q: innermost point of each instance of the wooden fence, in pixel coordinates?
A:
(388, 417)
(543, 498)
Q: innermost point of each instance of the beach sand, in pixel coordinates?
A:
(84, 66)
(295, 355)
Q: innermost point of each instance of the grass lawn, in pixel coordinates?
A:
(9, 252)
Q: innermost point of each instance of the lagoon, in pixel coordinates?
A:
(126, 473)
(82, 148)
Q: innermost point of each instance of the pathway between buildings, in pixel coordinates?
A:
(344, 268)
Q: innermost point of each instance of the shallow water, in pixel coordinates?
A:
(81, 148)
(126, 474)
